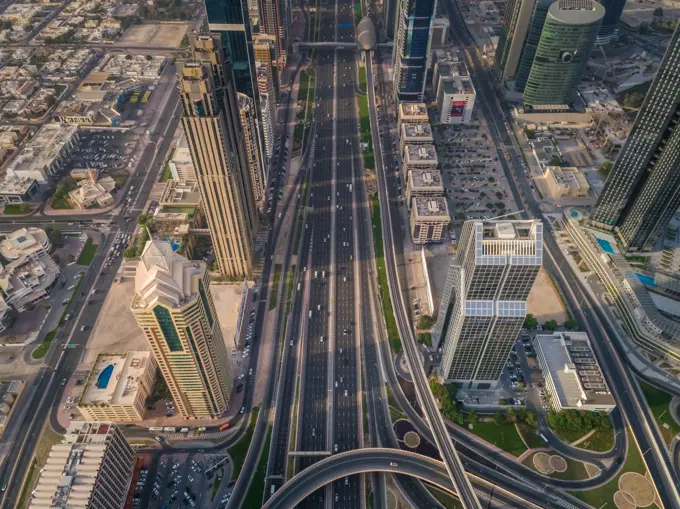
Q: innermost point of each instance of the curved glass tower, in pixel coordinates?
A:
(566, 42)
(531, 43)
(610, 23)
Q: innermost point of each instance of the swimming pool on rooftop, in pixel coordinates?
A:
(105, 377)
(606, 246)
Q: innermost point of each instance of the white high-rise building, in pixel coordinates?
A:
(484, 302)
(90, 469)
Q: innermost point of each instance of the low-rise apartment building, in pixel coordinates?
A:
(429, 216)
(412, 113)
(423, 184)
(415, 134)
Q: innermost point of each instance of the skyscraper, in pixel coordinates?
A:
(411, 55)
(484, 302)
(248, 115)
(91, 468)
(271, 25)
(265, 85)
(610, 23)
(642, 192)
(174, 308)
(213, 129)
(526, 60)
(567, 39)
(513, 33)
(390, 8)
(230, 19)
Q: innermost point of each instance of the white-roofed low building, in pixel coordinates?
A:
(25, 242)
(429, 216)
(90, 469)
(117, 387)
(572, 374)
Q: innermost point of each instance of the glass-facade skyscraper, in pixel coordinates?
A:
(540, 12)
(567, 39)
(513, 33)
(642, 192)
(610, 23)
(483, 306)
(412, 48)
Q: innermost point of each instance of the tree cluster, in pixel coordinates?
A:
(578, 420)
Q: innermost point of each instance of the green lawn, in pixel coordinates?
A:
(275, 286)
(44, 347)
(289, 289)
(167, 172)
(658, 402)
(502, 435)
(12, 209)
(362, 79)
(239, 450)
(605, 494)
(256, 490)
(600, 441)
(87, 254)
(385, 299)
(365, 126)
(531, 437)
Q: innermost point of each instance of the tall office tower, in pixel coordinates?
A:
(411, 57)
(265, 85)
(610, 23)
(540, 12)
(563, 51)
(262, 49)
(231, 20)
(513, 33)
(642, 192)
(271, 25)
(213, 130)
(248, 115)
(484, 302)
(91, 468)
(174, 308)
(390, 8)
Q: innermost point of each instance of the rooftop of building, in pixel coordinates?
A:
(424, 179)
(180, 194)
(599, 100)
(420, 153)
(412, 110)
(431, 207)
(568, 359)
(16, 185)
(24, 242)
(458, 86)
(504, 229)
(569, 176)
(452, 69)
(576, 12)
(164, 276)
(44, 147)
(447, 55)
(114, 379)
(416, 130)
(72, 467)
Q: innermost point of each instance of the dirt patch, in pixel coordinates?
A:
(638, 487)
(558, 463)
(412, 439)
(623, 500)
(542, 463)
(153, 36)
(544, 302)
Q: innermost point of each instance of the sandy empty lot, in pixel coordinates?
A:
(544, 301)
(153, 36)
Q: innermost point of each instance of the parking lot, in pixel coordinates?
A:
(474, 182)
(104, 151)
(184, 481)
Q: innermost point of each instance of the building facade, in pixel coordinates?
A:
(513, 33)
(174, 308)
(533, 36)
(213, 128)
(90, 469)
(411, 55)
(248, 119)
(265, 85)
(484, 301)
(567, 39)
(610, 23)
(423, 184)
(271, 25)
(181, 165)
(642, 191)
(455, 100)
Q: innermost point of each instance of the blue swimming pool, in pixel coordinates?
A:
(606, 246)
(574, 213)
(105, 377)
(646, 280)
(173, 243)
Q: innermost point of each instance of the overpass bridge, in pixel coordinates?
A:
(396, 461)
